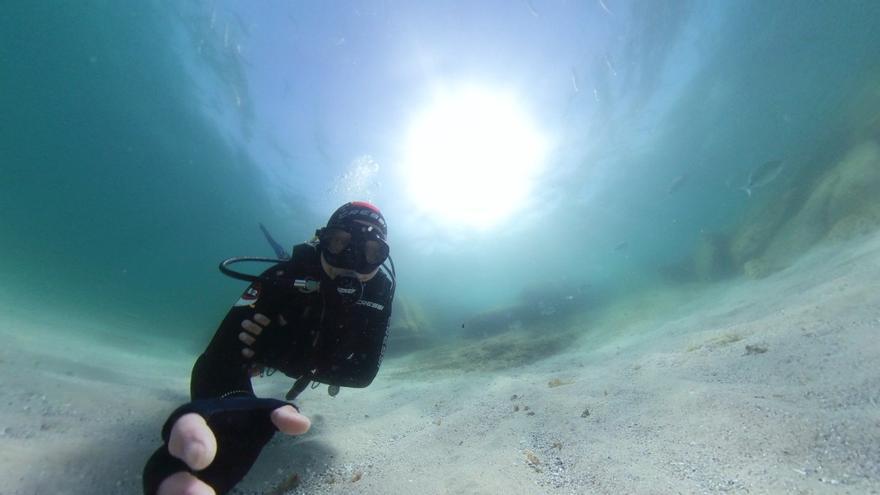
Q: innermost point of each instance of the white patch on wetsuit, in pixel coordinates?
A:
(250, 296)
(370, 304)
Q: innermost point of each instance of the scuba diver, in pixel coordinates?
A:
(320, 316)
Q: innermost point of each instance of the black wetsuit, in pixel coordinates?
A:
(311, 333)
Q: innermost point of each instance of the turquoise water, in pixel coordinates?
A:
(143, 142)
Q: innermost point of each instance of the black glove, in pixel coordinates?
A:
(242, 426)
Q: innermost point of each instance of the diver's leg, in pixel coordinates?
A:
(222, 369)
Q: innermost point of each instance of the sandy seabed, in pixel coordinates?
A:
(768, 386)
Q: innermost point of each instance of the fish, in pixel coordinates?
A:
(574, 81)
(605, 7)
(621, 246)
(676, 183)
(762, 175)
(610, 66)
(532, 8)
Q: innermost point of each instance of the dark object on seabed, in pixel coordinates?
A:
(754, 349)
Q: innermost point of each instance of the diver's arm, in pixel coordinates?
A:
(232, 418)
(222, 369)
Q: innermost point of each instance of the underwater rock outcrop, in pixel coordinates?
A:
(498, 352)
(710, 261)
(492, 322)
(757, 268)
(711, 258)
(538, 305)
(843, 203)
(545, 320)
(839, 204)
(761, 223)
(853, 226)
(854, 206)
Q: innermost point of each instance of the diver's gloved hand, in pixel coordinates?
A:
(210, 445)
(264, 342)
(252, 330)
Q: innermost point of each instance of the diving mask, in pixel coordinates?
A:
(356, 246)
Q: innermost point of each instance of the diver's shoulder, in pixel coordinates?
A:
(306, 248)
(304, 259)
(381, 278)
(380, 285)
(306, 252)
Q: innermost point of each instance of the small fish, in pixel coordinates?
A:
(610, 66)
(676, 183)
(763, 175)
(596, 94)
(621, 246)
(574, 81)
(532, 8)
(605, 7)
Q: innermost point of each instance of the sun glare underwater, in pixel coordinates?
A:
(472, 156)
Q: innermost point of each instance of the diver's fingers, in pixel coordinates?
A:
(288, 420)
(255, 371)
(261, 319)
(183, 482)
(247, 352)
(246, 338)
(192, 441)
(251, 327)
